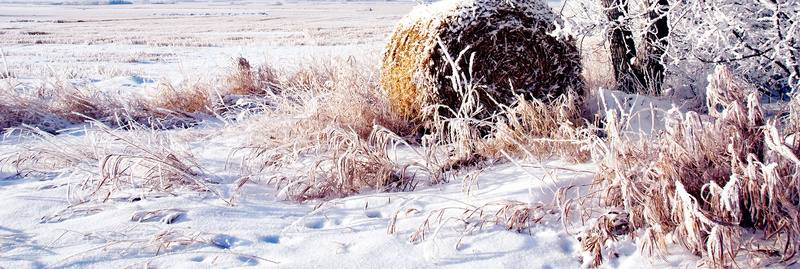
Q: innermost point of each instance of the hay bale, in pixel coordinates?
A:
(513, 54)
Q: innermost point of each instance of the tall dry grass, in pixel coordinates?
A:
(705, 183)
(55, 104)
(332, 116)
(110, 164)
(329, 108)
(318, 130)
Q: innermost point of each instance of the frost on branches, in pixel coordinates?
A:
(758, 40)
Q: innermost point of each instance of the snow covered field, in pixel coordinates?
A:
(224, 216)
(174, 41)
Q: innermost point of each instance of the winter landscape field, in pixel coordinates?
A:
(258, 134)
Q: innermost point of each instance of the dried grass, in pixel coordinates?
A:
(320, 130)
(609, 226)
(48, 154)
(57, 104)
(138, 240)
(792, 120)
(344, 164)
(338, 163)
(112, 164)
(507, 214)
(511, 215)
(328, 116)
(247, 81)
(183, 100)
(541, 130)
(151, 164)
(331, 116)
(40, 106)
(702, 181)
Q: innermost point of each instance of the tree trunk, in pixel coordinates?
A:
(649, 68)
(621, 43)
(645, 73)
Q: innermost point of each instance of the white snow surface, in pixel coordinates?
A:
(42, 228)
(42, 224)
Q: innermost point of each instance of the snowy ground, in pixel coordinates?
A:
(177, 41)
(42, 228)
(133, 47)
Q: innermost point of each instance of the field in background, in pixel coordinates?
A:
(152, 42)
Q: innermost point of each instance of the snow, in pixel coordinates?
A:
(41, 227)
(643, 113)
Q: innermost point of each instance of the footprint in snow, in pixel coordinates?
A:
(374, 214)
(315, 224)
(272, 239)
(223, 241)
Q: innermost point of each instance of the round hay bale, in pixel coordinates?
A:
(514, 53)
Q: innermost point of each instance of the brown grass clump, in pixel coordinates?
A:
(331, 115)
(701, 181)
(792, 121)
(542, 130)
(111, 164)
(503, 46)
(246, 80)
(50, 107)
(183, 100)
(54, 104)
(318, 93)
(17, 108)
(345, 165)
(349, 95)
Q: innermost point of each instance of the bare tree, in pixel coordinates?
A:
(637, 70)
(758, 40)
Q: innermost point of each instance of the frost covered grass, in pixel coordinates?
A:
(251, 164)
(723, 186)
(330, 112)
(319, 132)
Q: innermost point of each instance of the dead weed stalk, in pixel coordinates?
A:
(702, 181)
(343, 164)
(151, 163)
(511, 215)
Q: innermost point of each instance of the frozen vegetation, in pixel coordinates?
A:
(258, 134)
